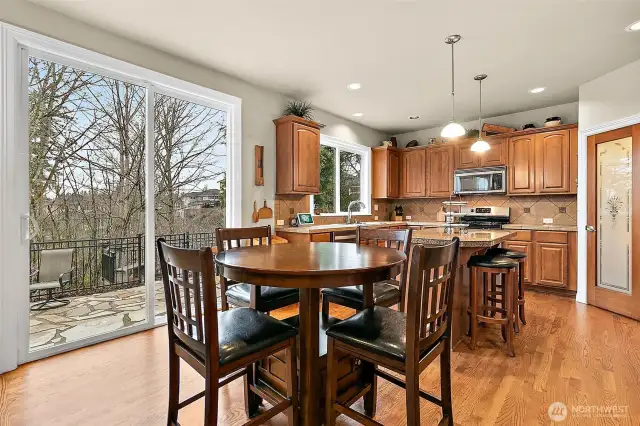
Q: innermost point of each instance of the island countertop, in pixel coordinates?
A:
(474, 238)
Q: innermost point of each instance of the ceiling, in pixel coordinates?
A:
(394, 48)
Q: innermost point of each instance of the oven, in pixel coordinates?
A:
(485, 217)
(485, 180)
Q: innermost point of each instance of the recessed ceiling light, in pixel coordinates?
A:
(358, 114)
(537, 90)
(354, 86)
(414, 117)
(634, 27)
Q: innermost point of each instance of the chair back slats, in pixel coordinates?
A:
(431, 277)
(229, 238)
(399, 239)
(190, 295)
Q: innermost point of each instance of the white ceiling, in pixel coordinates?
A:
(395, 48)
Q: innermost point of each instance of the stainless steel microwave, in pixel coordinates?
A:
(485, 180)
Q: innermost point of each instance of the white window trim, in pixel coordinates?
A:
(14, 43)
(365, 173)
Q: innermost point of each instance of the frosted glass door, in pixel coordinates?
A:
(614, 200)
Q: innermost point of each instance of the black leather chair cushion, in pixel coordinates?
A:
(243, 331)
(270, 295)
(511, 254)
(384, 293)
(377, 330)
(486, 261)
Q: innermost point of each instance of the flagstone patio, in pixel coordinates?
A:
(87, 316)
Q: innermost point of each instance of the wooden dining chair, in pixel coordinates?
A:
(261, 298)
(386, 293)
(403, 343)
(221, 346)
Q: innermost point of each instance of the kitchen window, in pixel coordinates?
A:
(344, 177)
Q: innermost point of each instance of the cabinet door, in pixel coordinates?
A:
(412, 181)
(496, 156)
(306, 159)
(551, 264)
(552, 161)
(524, 247)
(441, 166)
(465, 158)
(393, 174)
(521, 165)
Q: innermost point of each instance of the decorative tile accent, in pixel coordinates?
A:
(527, 209)
(562, 209)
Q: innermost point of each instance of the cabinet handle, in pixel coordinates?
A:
(590, 228)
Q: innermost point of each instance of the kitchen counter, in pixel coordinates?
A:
(475, 238)
(337, 227)
(561, 228)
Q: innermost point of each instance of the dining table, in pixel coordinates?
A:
(311, 267)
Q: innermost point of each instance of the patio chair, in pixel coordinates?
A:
(55, 270)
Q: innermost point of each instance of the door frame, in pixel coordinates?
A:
(15, 43)
(583, 200)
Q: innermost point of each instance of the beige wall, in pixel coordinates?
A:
(259, 106)
(568, 113)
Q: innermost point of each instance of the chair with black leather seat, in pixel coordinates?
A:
(386, 293)
(403, 343)
(263, 299)
(221, 346)
(520, 257)
(490, 267)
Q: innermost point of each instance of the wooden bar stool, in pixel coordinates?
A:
(520, 257)
(490, 267)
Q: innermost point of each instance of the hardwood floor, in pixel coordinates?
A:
(568, 352)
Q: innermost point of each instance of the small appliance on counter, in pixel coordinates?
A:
(478, 217)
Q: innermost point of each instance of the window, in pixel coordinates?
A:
(344, 177)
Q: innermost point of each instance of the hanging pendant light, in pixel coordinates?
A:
(453, 129)
(480, 145)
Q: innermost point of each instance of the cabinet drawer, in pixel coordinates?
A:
(324, 237)
(521, 236)
(551, 237)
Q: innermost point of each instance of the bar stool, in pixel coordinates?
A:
(520, 257)
(491, 266)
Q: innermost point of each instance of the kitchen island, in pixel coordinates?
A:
(476, 241)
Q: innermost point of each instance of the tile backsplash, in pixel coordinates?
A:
(287, 206)
(525, 210)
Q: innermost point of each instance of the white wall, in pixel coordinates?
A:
(606, 103)
(568, 113)
(259, 106)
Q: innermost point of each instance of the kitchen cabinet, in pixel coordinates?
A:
(467, 159)
(521, 169)
(441, 167)
(551, 258)
(297, 156)
(385, 172)
(552, 162)
(413, 163)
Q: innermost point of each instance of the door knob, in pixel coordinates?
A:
(590, 228)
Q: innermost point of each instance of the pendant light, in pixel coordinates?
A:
(480, 145)
(453, 129)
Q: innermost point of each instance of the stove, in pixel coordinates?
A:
(480, 217)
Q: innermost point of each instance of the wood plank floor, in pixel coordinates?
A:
(568, 352)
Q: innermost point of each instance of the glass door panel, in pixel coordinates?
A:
(86, 179)
(614, 201)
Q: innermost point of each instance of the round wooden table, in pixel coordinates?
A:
(310, 267)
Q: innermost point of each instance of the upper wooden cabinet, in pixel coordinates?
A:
(552, 162)
(521, 169)
(297, 156)
(467, 159)
(441, 167)
(413, 163)
(385, 173)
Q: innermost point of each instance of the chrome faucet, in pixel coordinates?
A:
(351, 205)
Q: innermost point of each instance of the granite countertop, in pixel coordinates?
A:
(336, 227)
(474, 238)
(562, 228)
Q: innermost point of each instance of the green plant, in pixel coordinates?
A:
(300, 109)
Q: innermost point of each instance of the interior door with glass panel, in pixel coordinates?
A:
(613, 237)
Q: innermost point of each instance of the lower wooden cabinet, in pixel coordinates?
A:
(551, 257)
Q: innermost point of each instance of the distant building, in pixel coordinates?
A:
(201, 199)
